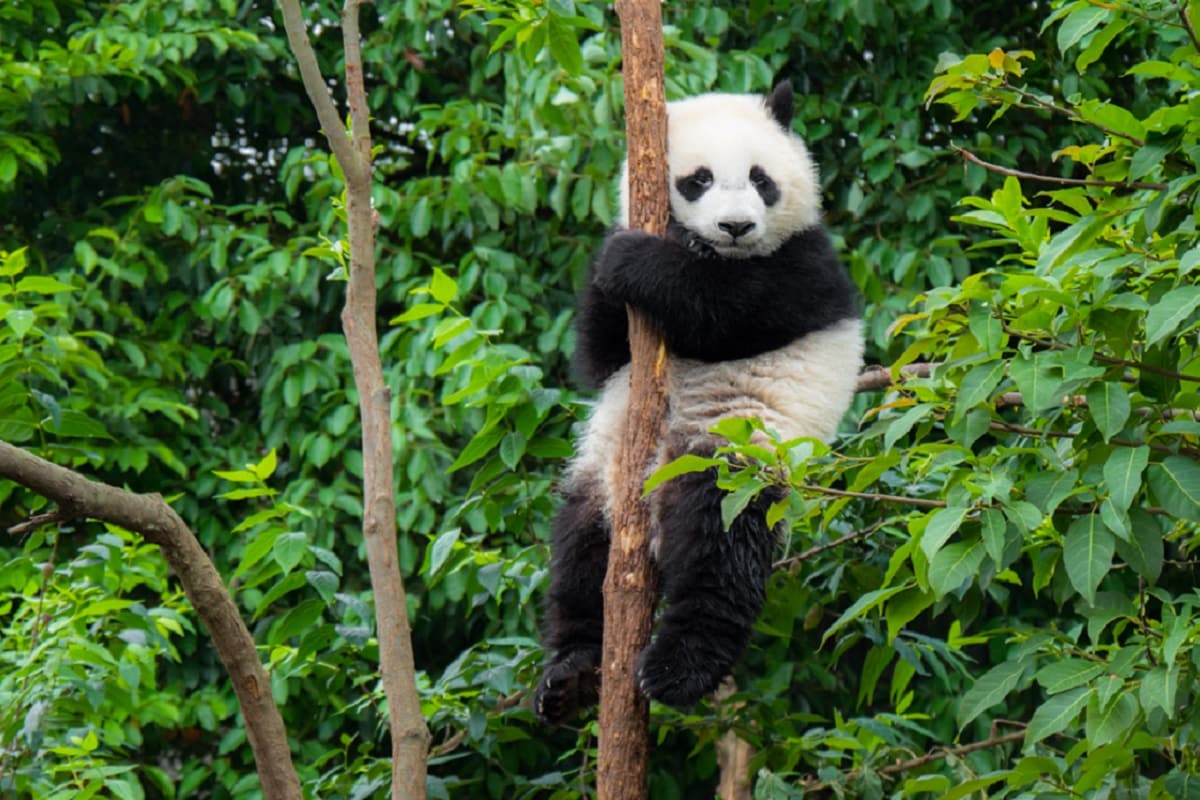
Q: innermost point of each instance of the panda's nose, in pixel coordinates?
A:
(736, 228)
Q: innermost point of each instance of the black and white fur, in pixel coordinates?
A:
(761, 320)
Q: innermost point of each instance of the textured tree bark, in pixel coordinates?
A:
(149, 515)
(733, 756)
(410, 735)
(629, 584)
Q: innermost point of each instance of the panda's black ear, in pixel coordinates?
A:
(782, 105)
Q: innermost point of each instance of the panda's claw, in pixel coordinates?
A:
(570, 683)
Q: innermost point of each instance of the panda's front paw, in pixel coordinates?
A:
(570, 683)
(677, 673)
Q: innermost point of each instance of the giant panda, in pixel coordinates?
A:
(760, 320)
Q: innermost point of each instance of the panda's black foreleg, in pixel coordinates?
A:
(714, 582)
(573, 618)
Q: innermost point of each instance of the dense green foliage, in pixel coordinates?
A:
(1001, 546)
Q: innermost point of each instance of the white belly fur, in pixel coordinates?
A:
(802, 389)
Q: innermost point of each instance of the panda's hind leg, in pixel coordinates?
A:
(573, 617)
(714, 582)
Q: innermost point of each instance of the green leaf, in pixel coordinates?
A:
(1109, 406)
(296, 621)
(236, 476)
(1111, 117)
(418, 311)
(1144, 549)
(266, 468)
(995, 534)
(443, 288)
(900, 426)
(953, 565)
(680, 466)
(442, 546)
(862, 605)
(324, 581)
(1049, 488)
(941, 526)
(13, 263)
(1176, 484)
(735, 502)
(1056, 714)
(1037, 379)
(257, 548)
(904, 609)
(1059, 676)
(1099, 43)
(41, 284)
(1078, 24)
(990, 689)
(1159, 688)
(480, 445)
(420, 220)
(564, 46)
(20, 320)
(977, 385)
(1123, 474)
(512, 447)
(1146, 159)
(1170, 311)
(288, 549)
(1182, 785)
(1111, 722)
(1087, 554)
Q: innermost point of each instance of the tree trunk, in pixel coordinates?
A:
(629, 583)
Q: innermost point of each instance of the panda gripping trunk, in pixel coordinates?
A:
(760, 320)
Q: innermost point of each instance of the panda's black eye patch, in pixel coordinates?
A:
(766, 188)
(693, 186)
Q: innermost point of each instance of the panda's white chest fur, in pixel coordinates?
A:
(802, 389)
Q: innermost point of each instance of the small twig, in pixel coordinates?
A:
(1123, 362)
(58, 515)
(1069, 113)
(452, 741)
(821, 548)
(944, 752)
(1016, 173)
(875, 496)
(879, 377)
(814, 785)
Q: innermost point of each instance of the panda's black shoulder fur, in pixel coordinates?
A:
(708, 307)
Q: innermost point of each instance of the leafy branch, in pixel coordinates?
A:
(1016, 173)
(149, 515)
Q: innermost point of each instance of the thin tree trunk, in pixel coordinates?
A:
(410, 735)
(629, 583)
(149, 515)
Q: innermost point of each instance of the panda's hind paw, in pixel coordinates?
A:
(570, 682)
(676, 676)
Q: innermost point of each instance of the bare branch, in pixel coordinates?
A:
(821, 548)
(38, 520)
(149, 515)
(318, 92)
(410, 735)
(879, 377)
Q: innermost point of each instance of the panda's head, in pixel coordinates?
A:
(741, 182)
